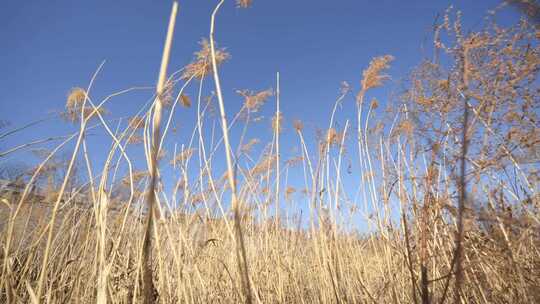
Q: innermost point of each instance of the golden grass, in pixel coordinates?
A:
(444, 220)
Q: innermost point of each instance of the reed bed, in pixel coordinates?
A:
(446, 189)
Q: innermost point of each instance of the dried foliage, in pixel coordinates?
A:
(404, 190)
(244, 3)
(167, 95)
(294, 161)
(202, 66)
(333, 137)
(373, 76)
(254, 101)
(249, 146)
(74, 103)
(185, 101)
(183, 156)
(289, 191)
(298, 125)
(136, 122)
(265, 165)
(137, 177)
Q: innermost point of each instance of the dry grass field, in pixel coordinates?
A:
(448, 188)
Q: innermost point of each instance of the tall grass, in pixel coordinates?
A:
(447, 181)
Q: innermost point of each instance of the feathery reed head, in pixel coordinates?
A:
(333, 137)
(136, 122)
(372, 76)
(202, 64)
(74, 104)
(247, 147)
(253, 101)
(264, 165)
(75, 98)
(137, 176)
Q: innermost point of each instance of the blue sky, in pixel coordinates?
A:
(49, 47)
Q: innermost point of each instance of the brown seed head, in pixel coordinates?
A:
(202, 65)
(136, 122)
(185, 101)
(244, 3)
(333, 137)
(75, 99)
(247, 147)
(253, 101)
(298, 125)
(372, 76)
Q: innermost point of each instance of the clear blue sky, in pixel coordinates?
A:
(49, 47)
